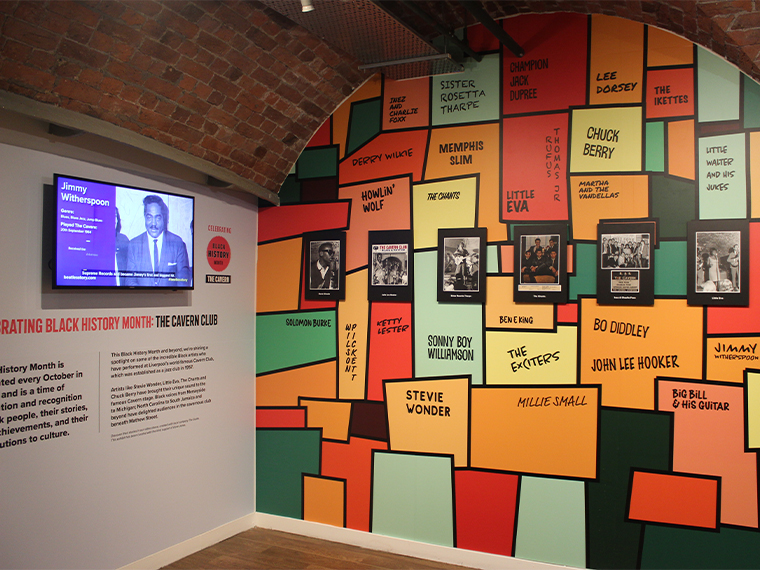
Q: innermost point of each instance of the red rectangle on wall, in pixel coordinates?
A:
(280, 417)
(682, 500)
(291, 220)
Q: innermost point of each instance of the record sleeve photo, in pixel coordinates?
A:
(718, 263)
(625, 268)
(540, 264)
(461, 252)
(391, 257)
(324, 265)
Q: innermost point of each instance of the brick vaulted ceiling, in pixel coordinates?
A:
(235, 90)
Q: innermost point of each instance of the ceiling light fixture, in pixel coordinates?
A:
(306, 6)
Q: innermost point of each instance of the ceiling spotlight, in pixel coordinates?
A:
(306, 6)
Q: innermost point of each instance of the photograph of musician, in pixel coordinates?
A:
(625, 250)
(525, 271)
(540, 264)
(324, 269)
(389, 270)
(718, 262)
(733, 265)
(157, 252)
(462, 265)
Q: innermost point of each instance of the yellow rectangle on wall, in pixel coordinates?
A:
(442, 204)
(727, 357)
(753, 410)
(606, 140)
(352, 338)
(532, 358)
(543, 431)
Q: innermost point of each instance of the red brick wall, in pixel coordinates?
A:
(230, 82)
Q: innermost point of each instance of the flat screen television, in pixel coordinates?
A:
(108, 235)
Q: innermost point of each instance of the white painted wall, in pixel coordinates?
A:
(90, 500)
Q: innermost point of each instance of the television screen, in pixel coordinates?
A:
(116, 236)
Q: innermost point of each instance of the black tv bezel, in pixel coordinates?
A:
(55, 285)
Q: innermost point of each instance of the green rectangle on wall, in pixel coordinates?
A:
(293, 339)
(319, 162)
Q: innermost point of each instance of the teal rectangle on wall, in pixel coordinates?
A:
(462, 323)
(670, 268)
(584, 280)
(655, 147)
(718, 88)
(468, 97)
(751, 103)
(552, 521)
(722, 177)
(412, 497)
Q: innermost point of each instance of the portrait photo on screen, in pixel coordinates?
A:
(117, 236)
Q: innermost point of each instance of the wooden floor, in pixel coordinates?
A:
(265, 549)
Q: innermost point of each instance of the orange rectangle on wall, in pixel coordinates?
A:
(681, 500)
(681, 149)
(547, 430)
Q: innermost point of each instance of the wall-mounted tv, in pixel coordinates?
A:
(108, 235)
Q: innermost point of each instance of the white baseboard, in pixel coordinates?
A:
(448, 555)
(192, 545)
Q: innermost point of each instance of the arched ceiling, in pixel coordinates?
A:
(234, 90)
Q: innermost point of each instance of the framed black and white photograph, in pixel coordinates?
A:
(718, 263)
(391, 257)
(325, 265)
(461, 253)
(540, 264)
(625, 270)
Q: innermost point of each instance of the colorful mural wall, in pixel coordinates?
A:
(590, 435)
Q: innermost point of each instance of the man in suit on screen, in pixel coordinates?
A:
(157, 252)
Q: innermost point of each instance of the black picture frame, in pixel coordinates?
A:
(538, 279)
(461, 254)
(714, 275)
(320, 282)
(625, 264)
(391, 266)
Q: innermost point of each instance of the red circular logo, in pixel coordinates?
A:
(218, 253)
